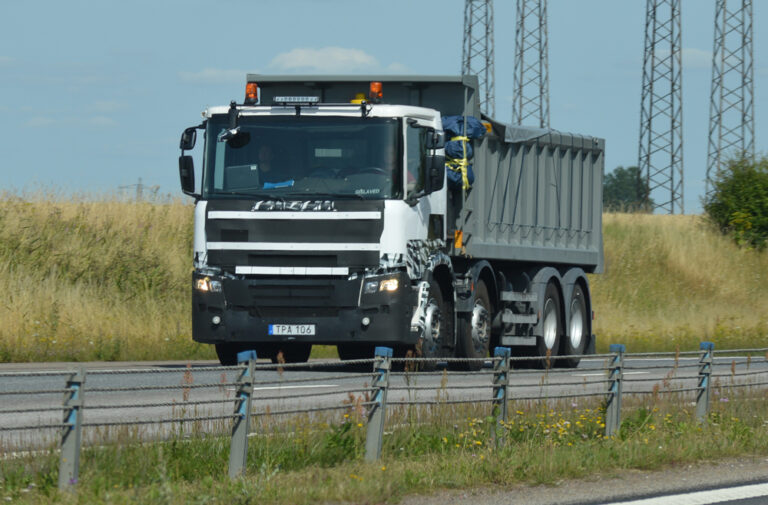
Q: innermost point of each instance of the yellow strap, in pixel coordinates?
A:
(460, 164)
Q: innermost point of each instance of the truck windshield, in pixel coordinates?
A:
(300, 156)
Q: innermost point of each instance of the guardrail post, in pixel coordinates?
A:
(377, 413)
(500, 391)
(238, 452)
(71, 436)
(705, 372)
(613, 400)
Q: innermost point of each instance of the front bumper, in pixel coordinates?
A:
(336, 306)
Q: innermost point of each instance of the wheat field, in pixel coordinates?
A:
(103, 278)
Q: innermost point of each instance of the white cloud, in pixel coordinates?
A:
(397, 68)
(106, 106)
(696, 58)
(43, 121)
(39, 121)
(214, 76)
(693, 59)
(325, 60)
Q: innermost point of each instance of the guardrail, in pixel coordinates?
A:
(379, 394)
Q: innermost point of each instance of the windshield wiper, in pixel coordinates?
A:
(256, 194)
(327, 195)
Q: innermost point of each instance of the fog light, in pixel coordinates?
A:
(366, 321)
(216, 320)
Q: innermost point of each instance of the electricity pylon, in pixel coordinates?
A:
(731, 106)
(531, 86)
(477, 50)
(660, 156)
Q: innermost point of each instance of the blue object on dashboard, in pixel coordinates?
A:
(284, 184)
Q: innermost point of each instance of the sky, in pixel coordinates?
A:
(95, 94)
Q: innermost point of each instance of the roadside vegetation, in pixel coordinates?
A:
(738, 204)
(318, 460)
(108, 279)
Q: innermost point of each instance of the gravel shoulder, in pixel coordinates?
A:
(616, 485)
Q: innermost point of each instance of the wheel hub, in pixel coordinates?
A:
(550, 324)
(576, 326)
(430, 341)
(480, 328)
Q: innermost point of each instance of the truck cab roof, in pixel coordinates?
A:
(430, 116)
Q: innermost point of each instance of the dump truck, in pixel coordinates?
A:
(362, 211)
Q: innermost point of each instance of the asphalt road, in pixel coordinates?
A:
(166, 385)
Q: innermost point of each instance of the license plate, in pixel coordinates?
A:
(292, 329)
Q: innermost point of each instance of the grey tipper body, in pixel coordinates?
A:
(359, 238)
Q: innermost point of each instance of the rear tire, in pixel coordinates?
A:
(474, 330)
(548, 343)
(575, 342)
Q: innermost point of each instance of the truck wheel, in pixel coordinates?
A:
(548, 343)
(474, 332)
(355, 351)
(437, 327)
(293, 353)
(227, 353)
(578, 329)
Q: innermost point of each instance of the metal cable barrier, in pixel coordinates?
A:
(229, 399)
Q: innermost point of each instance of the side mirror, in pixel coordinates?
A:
(435, 139)
(188, 138)
(435, 179)
(238, 140)
(187, 175)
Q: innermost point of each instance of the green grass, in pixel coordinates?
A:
(674, 281)
(302, 461)
(108, 279)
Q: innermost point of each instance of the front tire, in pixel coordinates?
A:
(438, 327)
(227, 353)
(474, 331)
(355, 351)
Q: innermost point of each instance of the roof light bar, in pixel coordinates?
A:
(296, 100)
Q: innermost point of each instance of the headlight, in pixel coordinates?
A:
(388, 285)
(370, 287)
(207, 285)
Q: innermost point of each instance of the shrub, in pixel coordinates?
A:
(738, 204)
(626, 190)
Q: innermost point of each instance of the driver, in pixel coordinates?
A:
(267, 171)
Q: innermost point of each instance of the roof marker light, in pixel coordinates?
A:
(251, 93)
(375, 92)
